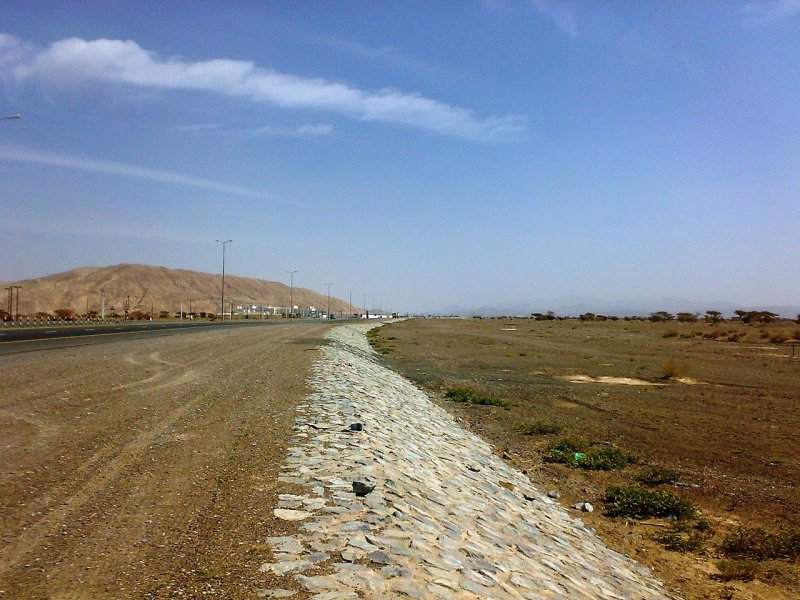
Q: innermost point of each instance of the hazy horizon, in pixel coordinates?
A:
(422, 155)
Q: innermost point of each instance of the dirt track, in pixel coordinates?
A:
(147, 468)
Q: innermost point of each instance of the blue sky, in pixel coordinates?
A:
(422, 154)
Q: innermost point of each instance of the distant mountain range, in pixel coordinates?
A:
(159, 287)
(575, 307)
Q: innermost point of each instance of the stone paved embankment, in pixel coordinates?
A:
(446, 519)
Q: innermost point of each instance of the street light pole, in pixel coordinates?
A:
(291, 292)
(222, 302)
(328, 311)
(18, 288)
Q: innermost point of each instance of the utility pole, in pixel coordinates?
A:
(291, 292)
(10, 291)
(18, 288)
(103, 305)
(328, 310)
(222, 302)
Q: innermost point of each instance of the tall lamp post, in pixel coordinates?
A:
(328, 311)
(291, 292)
(222, 303)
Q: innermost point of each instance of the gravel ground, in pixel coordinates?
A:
(147, 468)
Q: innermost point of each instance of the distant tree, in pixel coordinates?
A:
(138, 315)
(661, 315)
(4, 316)
(797, 320)
(587, 316)
(164, 314)
(601, 318)
(756, 316)
(686, 317)
(43, 315)
(64, 313)
(714, 316)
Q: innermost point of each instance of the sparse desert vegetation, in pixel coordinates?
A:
(682, 432)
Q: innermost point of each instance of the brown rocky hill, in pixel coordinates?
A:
(159, 287)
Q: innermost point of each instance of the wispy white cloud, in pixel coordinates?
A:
(767, 12)
(560, 12)
(388, 55)
(302, 130)
(74, 60)
(194, 127)
(27, 155)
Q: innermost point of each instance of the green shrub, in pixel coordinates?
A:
(540, 428)
(737, 570)
(605, 459)
(463, 394)
(639, 503)
(670, 333)
(761, 544)
(656, 476)
(577, 453)
(682, 541)
(460, 394)
(490, 401)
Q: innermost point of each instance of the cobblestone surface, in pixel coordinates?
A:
(446, 519)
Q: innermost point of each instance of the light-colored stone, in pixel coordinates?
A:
(291, 515)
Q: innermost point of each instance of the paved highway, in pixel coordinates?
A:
(25, 339)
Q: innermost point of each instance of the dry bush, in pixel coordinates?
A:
(672, 369)
(737, 570)
(778, 337)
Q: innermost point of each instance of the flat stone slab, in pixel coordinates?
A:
(288, 514)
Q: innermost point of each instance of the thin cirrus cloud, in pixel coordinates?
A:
(302, 130)
(74, 59)
(769, 11)
(27, 155)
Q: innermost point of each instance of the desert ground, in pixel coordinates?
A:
(718, 418)
(147, 468)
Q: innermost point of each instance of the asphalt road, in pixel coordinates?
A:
(25, 339)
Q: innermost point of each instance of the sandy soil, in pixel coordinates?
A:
(726, 421)
(147, 468)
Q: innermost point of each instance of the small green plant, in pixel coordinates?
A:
(490, 401)
(757, 543)
(540, 428)
(606, 459)
(568, 451)
(737, 570)
(677, 540)
(460, 394)
(577, 453)
(466, 395)
(656, 476)
(639, 503)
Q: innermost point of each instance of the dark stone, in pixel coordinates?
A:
(362, 487)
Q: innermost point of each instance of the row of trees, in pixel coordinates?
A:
(710, 316)
(67, 314)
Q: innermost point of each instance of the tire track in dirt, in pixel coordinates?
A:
(86, 503)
